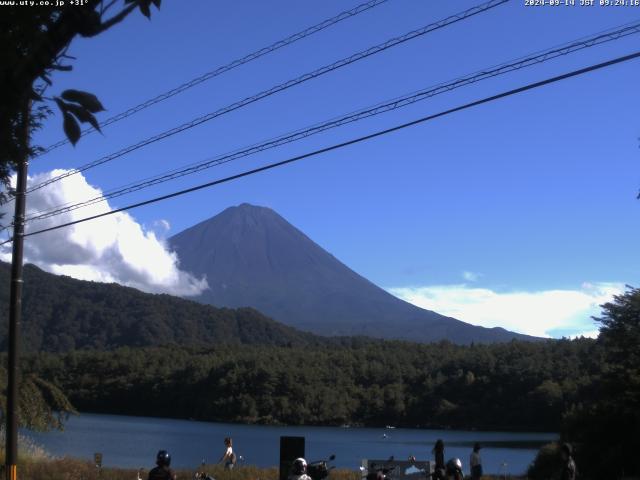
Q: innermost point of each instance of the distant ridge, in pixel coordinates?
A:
(252, 256)
(62, 314)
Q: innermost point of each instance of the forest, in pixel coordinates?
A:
(516, 385)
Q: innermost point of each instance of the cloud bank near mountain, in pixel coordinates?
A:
(542, 313)
(115, 248)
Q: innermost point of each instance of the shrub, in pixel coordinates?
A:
(547, 463)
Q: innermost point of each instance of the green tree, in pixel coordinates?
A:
(606, 424)
(35, 42)
(41, 406)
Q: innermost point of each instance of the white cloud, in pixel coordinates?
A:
(161, 227)
(471, 276)
(109, 249)
(544, 313)
(587, 334)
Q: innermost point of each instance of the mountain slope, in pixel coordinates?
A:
(252, 256)
(61, 314)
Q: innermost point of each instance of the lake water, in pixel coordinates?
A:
(133, 442)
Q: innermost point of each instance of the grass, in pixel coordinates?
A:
(36, 464)
(27, 450)
(73, 469)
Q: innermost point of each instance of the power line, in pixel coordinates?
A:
(283, 86)
(521, 62)
(225, 68)
(354, 141)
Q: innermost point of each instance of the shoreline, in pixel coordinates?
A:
(430, 427)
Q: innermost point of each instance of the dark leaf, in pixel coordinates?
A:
(35, 96)
(157, 3)
(61, 105)
(84, 115)
(64, 68)
(87, 100)
(144, 8)
(71, 128)
(46, 79)
(90, 23)
(94, 123)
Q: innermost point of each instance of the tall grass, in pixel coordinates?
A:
(28, 450)
(35, 463)
(73, 469)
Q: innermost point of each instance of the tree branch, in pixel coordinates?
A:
(106, 8)
(115, 19)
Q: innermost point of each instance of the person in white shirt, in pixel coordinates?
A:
(475, 462)
(229, 458)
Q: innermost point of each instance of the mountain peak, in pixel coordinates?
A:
(244, 212)
(248, 208)
(253, 257)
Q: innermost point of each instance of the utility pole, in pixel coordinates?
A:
(15, 301)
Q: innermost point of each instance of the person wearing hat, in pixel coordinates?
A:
(475, 462)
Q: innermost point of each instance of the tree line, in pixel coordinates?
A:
(517, 385)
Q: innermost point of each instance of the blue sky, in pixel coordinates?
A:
(529, 195)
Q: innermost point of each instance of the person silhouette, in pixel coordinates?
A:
(475, 462)
(162, 471)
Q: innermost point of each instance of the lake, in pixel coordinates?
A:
(134, 441)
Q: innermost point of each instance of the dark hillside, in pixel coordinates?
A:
(61, 314)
